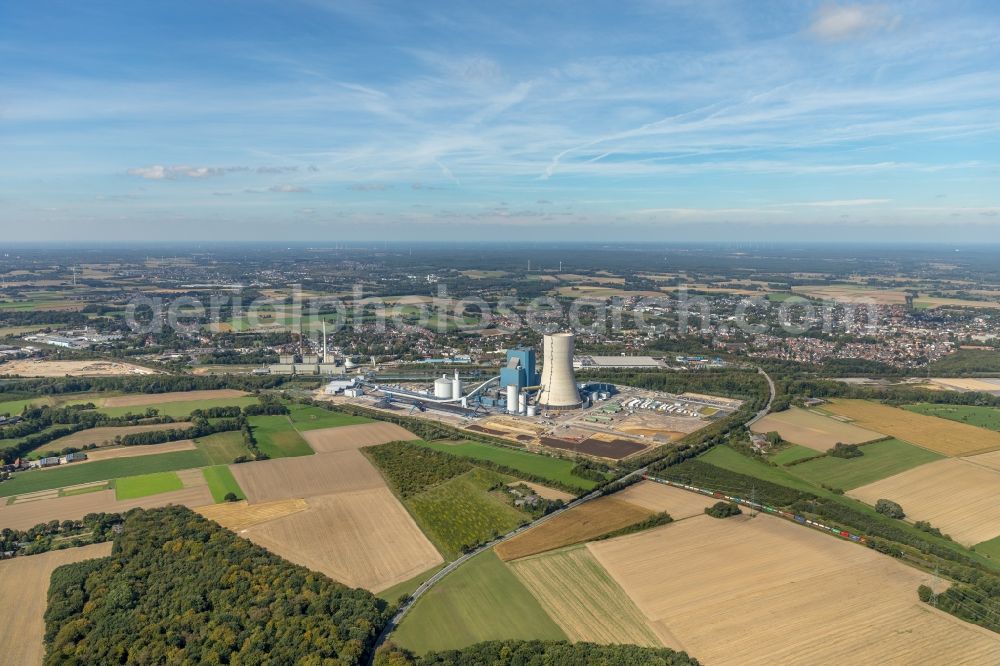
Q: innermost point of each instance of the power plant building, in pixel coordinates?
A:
(520, 369)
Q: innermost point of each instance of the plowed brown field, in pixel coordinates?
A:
(134, 451)
(306, 476)
(106, 436)
(812, 430)
(238, 516)
(137, 400)
(658, 497)
(353, 437)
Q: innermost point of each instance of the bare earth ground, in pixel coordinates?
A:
(353, 437)
(102, 436)
(658, 497)
(983, 384)
(991, 460)
(24, 587)
(544, 491)
(143, 450)
(583, 599)
(812, 430)
(34, 368)
(306, 476)
(363, 538)
(240, 515)
(948, 437)
(175, 396)
(763, 591)
(960, 498)
(574, 526)
(21, 516)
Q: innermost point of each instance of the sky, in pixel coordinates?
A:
(330, 120)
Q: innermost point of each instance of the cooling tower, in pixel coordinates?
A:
(558, 383)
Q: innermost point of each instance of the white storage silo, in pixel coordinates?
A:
(442, 387)
(558, 382)
(532, 410)
(522, 403)
(512, 398)
(456, 386)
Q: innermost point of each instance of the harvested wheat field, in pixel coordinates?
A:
(106, 436)
(657, 497)
(948, 437)
(21, 516)
(965, 384)
(137, 400)
(583, 599)
(240, 515)
(140, 450)
(745, 591)
(35, 368)
(958, 497)
(306, 476)
(544, 491)
(813, 430)
(579, 524)
(24, 588)
(361, 538)
(991, 460)
(353, 437)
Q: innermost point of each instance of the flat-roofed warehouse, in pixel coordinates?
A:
(616, 362)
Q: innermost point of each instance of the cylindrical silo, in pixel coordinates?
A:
(442, 387)
(512, 398)
(456, 386)
(532, 410)
(522, 402)
(558, 383)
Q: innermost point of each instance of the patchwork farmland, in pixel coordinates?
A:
(813, 430)
(707, 585)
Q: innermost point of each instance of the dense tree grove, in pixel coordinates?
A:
(889, 508)
(723, 510)
(538, 653)
(56, 534)
(841, 450)
(143, 384)
(412, 468)
(181, 589)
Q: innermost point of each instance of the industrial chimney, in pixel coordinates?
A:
(558, 383)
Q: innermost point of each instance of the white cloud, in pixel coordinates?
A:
(835, 22)
(160, 172)
(835, 203)
(288, 189)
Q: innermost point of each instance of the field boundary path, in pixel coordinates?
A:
(452, 566)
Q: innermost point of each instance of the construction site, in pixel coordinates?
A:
(544, 407)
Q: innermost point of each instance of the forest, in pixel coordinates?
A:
(538, 653)
(178, 588)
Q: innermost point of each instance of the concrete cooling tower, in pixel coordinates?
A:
(558, 383)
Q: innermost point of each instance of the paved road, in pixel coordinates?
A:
(436, 578)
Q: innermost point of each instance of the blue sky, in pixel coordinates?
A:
(330, 120)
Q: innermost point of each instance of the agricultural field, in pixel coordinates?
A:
(77, 473)
(304, 477)
(941, 435)
(792, 453)
(222, 448)
(36, 368)
(960, 498)
(221, 482)
(363, 538)
(880, 460)
(306, 417)
(981, 417)
(277, 437)
(577, 525)
(825, 601)
(812, 430)
(463, 512)
(133, 487)
(154, 399)
(483, 600)
(238, 516)
(547, 467)
(106, 436)
(659, 498)
(586, 603)
(349, 437)
(986, 384)
(990, 549)
(991, 460)
(179, 409)
(24, 587)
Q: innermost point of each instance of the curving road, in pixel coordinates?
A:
(452, 566)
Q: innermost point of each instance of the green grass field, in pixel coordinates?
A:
(222, 448)
(462, 512)
(990, 549)
(181, 409)
(546, 467)
(482, 600)
(131, 487)
(313, 418)
(982, 417)
(221, 482)
(407, 587)
(277, 438)
(791, 454)
(880, 460)
(78, 473)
